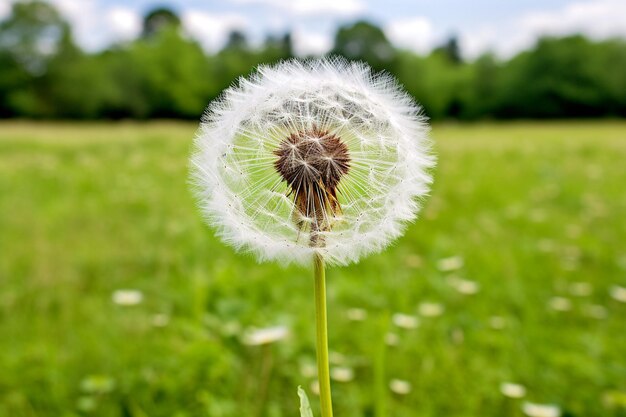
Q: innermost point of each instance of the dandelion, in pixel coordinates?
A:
(560, 304)
(512, 390)
(392, 339)
(308, 370)
(450, 264)
(618, 293)
(431, 309)
(463, 286)
(265, 336)
(400, 387)
(127, 297)
(320, 157)
(342, 374)
(405, 321)
(319, 162)
(541, 410)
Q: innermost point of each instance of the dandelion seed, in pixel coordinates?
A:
(400, 387)
(618, 293)
(342, 374)
(463, 286)
(512, 390)
(431, 309)
(405, 321)
(580, 289)
(560, 304)
(450, 264)
(356, 314)
(541, 410)
(265, 336)
(127, 297)
(392, 339)
(317, 157)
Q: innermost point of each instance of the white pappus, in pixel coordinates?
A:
(304, 157)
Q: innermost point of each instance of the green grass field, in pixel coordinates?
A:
(516, 272)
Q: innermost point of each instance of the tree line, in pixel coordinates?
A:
(165, 73)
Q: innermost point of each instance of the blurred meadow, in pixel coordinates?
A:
(507, 297)
(116, 300)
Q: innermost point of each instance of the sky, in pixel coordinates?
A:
(502, 26)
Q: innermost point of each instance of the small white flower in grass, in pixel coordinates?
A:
(512, 390)
(356, 314)
(431, 309)
(336, 358)
(400, 386)
(265, 336)
(618, 293)
(541, 410)
(560, 304)
(308, 370)
(127, 297)
(405, 321)
(315, 387)
(315, 157)
(463, 286)
(392, 339)
(450, 264)
(342, 374)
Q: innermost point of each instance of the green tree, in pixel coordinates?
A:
(30, 38)
(158, 20)
(367, 42)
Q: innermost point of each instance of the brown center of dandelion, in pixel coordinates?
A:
(312, 162)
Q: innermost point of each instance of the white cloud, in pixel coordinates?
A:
(415, 33)
(5, 9)
(124, 23)
(311, 43)
(598, 19)
(87, 24)
(212, 29)
(312, 7)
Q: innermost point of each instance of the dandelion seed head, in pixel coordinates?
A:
(306, 157)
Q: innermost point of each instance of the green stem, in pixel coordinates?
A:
(323, 373)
